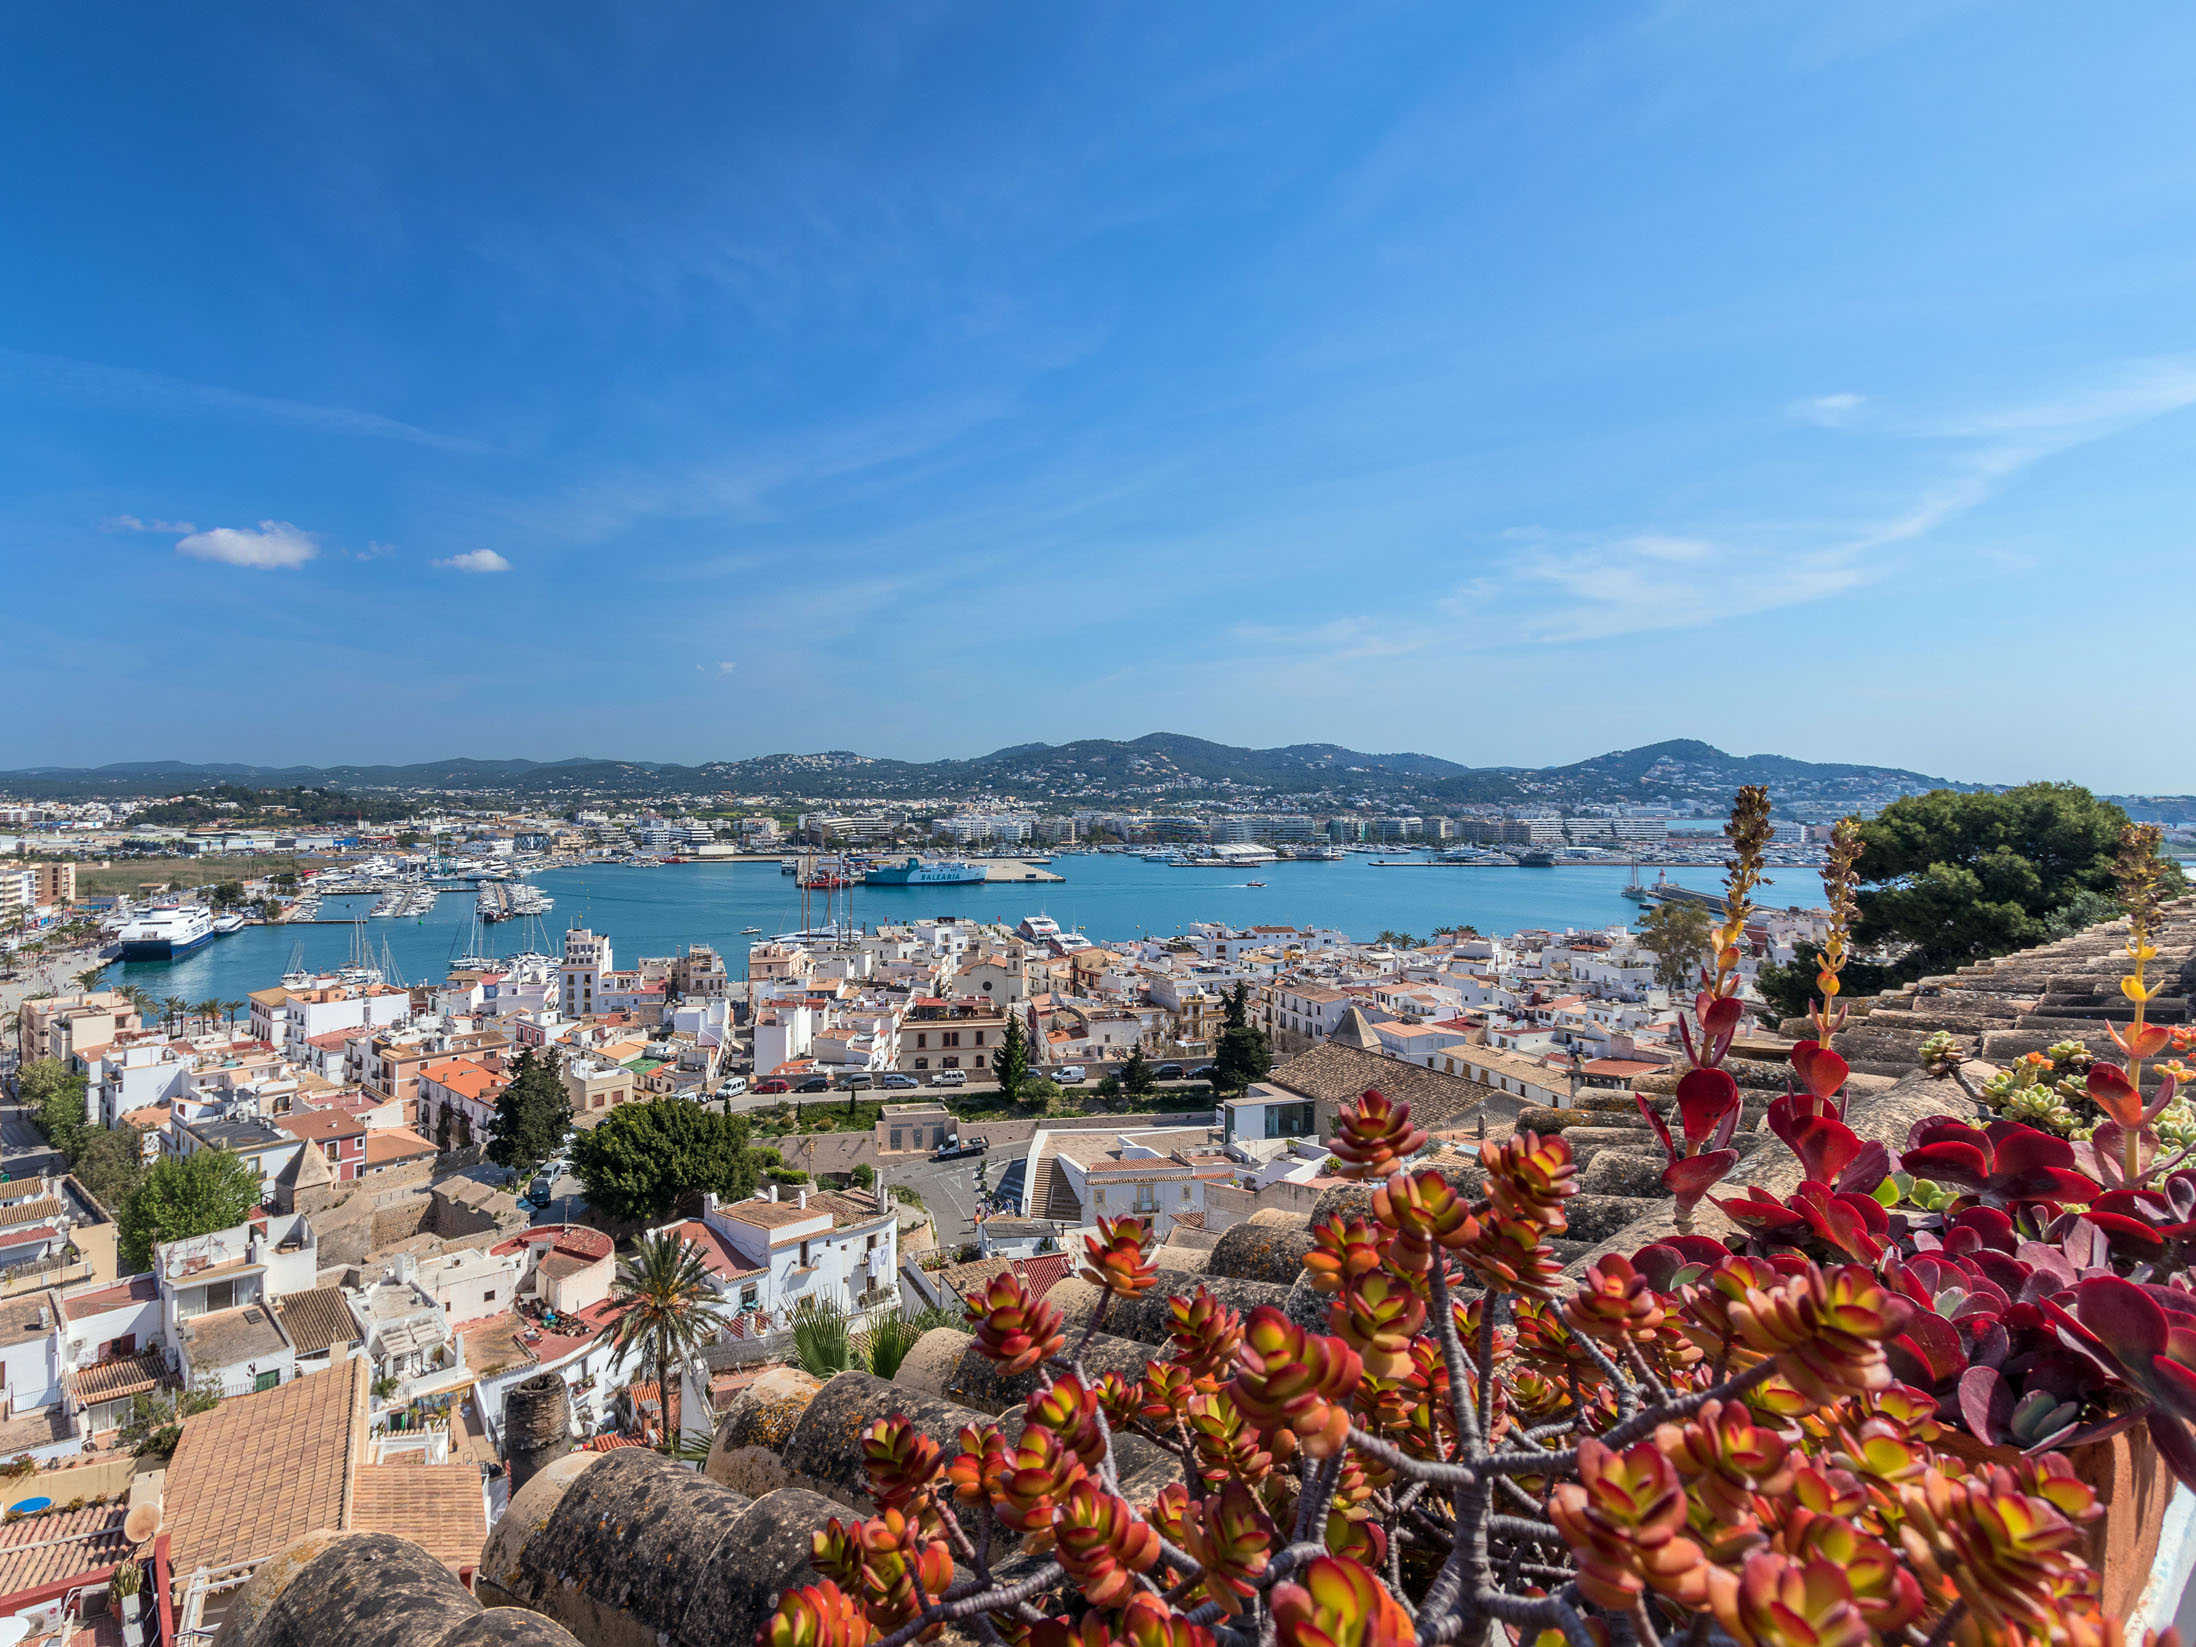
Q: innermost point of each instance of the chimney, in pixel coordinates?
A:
(804, 1200)
(773, 1192)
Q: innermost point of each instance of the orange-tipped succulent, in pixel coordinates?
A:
(1102, 1544)
(1289, 1379)
(1613, 1302)
(1623, 1517)
(1775, 1601)
(1013, 1328)
(1426, 1214)
(1374, 1136)
(1116, 1259)
(1341, 1252)
(903, 1464)
(1378, 1317)
(1069, 1409)
(1205, 1333)
(1230, 1537)
(1726, 1458)
(1826, 1329)
(1530, 1177)
(1336, 1602)
(816, 1615)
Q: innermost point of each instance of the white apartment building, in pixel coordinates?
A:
(767, 1254)
(586, 960)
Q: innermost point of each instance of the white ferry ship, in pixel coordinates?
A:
(951, 872)
(165, 931)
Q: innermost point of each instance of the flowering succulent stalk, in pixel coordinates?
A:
(2135, 868)
(1838, 880)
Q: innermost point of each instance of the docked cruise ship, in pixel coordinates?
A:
(165, 931)
(915, 872)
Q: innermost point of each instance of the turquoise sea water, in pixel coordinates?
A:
(656, 910)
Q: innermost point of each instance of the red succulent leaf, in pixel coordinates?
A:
(2111, 1091)
(1935, 1343)
(1825, 1146)
(1865, 1171)
(1662, 1261)
(1719, 1019)
(1820, 1070)
(1951, 1162)
(1763, 1213)
(1695, 1175)
(1704, 1098)
(1986, 1402)
(2146, 1042)
(1662, 1130)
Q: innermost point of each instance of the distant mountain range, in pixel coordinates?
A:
(1161, 771)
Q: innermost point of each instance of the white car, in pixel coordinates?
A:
(1070, 1075)
(732, 1087)
(950, 1078)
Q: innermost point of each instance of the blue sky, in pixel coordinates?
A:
(1513, 383)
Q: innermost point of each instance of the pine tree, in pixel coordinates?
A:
(1010, 1064)
(531, 1115)
(1243, 1056)
(1136, 1076)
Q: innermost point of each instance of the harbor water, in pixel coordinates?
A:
(658, 909)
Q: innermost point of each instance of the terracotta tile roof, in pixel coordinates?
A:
(716, 1252)
(45, 1549)
(437, 1506)
(261, 1470)
(610, 1443)
(1340, 1074)
(42, 1210)
(1040, 1274)
(317, 1320)
(118, 1376)
(386, 1144)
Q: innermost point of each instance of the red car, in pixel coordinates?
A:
(772, 1085)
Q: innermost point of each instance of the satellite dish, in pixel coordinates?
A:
(13, 1630)
(139, 1525)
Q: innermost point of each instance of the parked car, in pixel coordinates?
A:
(815, 1083)
(772, 1083)
(950, 1078)
(859, 1080)
(1167, 1072)
(954, 1148)
(540, 1190)
(1204, 1072)
(733, 1086)
(898, 1082)
(1069, 1075)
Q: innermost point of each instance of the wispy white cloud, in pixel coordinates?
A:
(475, 560)
(277, 545)
(130, 523)
(1831, 411)
(720, 668)
(123, 389)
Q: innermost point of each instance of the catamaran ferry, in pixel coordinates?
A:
(951, 872)
(165, 931)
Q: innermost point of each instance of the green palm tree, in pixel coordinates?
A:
(175, 1007)
(88, 979)
(232, 1008)
(662, 1295)
(207, 1011)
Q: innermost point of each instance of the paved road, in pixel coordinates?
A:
(24, 1151)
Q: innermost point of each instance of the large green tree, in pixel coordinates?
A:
(1950, 878)
(55, 1097)
(643, 1157)
(1136, 1076)
(1678, 933)
(1242, 1056)
(111, 1165)
(1010, 1064)
(183, 1196)
(531, 1115)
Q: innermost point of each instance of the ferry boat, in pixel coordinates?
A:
(951, 872)
(1039, 928)
(231, 922)
(165, 931)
